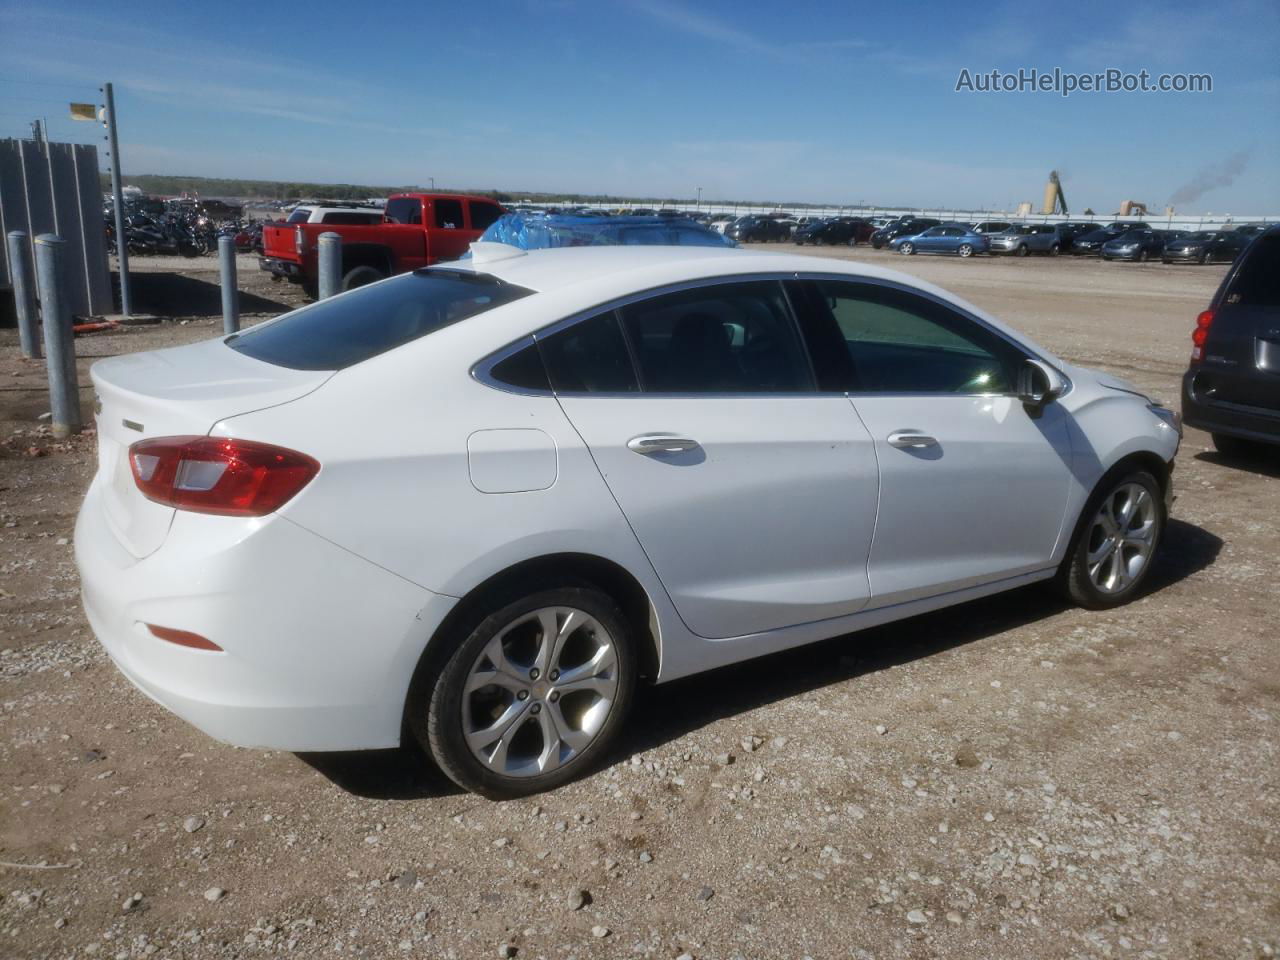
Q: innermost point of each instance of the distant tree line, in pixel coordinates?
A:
(163, 185)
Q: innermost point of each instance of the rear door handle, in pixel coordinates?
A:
(651, 443)
(911, 438)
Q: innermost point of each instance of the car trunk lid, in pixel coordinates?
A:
(182, 391)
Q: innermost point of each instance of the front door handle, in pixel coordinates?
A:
(651, 443)
(908, 439)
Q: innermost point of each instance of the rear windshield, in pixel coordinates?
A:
(347, 330)
(299, 216)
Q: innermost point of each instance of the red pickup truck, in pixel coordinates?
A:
(417, 230)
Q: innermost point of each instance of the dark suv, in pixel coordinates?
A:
(1232, 388)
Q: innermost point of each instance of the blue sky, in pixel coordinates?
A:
(841, 102)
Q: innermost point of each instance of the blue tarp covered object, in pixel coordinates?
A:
(545, 230)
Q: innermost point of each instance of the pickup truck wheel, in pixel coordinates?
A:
(361, 276)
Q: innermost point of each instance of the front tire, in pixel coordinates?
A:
(907, 248)
(1115, 541)
(532, 697)
(1022, 250)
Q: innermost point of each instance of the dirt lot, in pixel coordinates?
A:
(1011, 778)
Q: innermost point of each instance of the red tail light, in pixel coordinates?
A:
(1200, 334)
(234, 478)
(183, 638)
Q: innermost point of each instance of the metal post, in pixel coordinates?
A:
(59, 346)
(122, 246)
(230, 293)
(24, 294)
(330, 265)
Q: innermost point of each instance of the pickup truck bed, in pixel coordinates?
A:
(418, 229)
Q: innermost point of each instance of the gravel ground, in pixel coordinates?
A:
(1009, 778)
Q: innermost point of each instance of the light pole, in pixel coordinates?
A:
(433, 184)
(698, 205)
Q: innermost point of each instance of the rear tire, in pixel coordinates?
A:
(360, 277)
(1055, 250)
(448, 712)
(1115, 541)
(965, 250)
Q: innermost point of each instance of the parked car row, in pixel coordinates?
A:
(1115, 241)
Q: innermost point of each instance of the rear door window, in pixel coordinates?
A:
(346, 330)
(721, 338)
(589, 357)
(448, 213)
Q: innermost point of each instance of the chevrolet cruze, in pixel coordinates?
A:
(475, 504)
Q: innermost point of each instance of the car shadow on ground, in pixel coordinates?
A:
(175, 295)
(1265, 462)
(669, 711)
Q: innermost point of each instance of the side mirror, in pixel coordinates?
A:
(1038, 386)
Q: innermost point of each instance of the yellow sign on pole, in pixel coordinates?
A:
(84, 111)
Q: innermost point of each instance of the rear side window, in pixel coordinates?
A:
(483, 214)
(346, 330)
(589, 357)
(404, 210)
(522, 369)
(1258, 282)
(448, 213)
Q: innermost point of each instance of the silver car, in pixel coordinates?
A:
(1029, 238)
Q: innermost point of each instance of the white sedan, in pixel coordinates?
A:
(478, 502)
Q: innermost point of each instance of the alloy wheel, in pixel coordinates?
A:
(540, 692)
(1121, 538)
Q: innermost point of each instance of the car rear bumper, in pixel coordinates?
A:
(289, 269)
(318, 645)
(1232, 419)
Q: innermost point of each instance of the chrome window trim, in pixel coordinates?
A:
(482, 370)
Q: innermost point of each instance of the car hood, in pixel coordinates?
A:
(1109, 381)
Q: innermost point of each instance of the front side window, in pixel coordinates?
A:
(721, 338)
(338, 333)
(900, 342)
